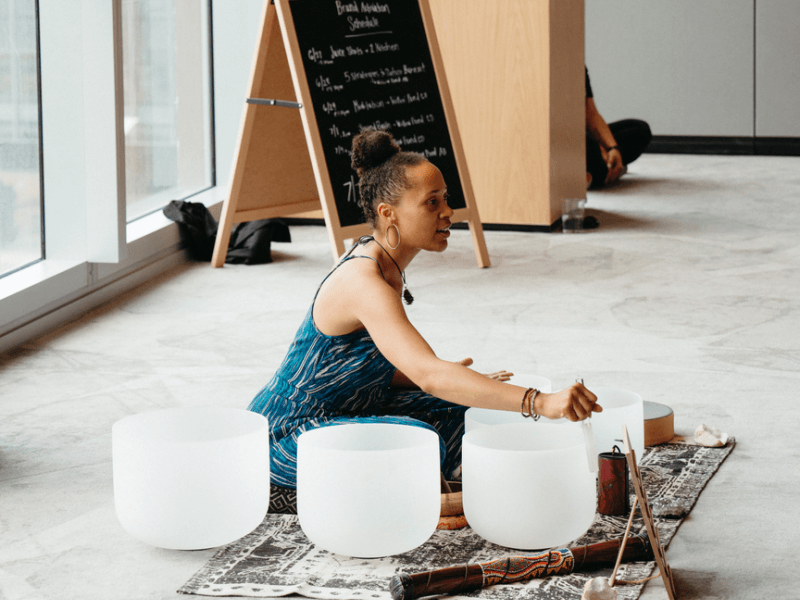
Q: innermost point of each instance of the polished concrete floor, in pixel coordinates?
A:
(688, 293)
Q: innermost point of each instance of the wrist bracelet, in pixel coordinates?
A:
(613, 148)
(533, 393)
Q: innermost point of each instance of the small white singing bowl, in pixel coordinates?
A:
(527, 487)
(483, 417)
(191, 478)
(368, 489)
(620, 407)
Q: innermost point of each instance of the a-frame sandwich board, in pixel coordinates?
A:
(280, 167)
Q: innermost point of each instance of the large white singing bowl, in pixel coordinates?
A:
(620, 408)
(368, 489)
(483, 417)
(527, 488)
(191, 478)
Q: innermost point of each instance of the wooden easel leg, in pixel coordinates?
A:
(613, 577)
(480, 244)
(337, 244)
(223, 238)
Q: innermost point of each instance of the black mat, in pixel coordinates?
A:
(278, 560)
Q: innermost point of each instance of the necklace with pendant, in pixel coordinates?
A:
(407, 297)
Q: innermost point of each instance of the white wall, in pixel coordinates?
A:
(778, 68)
(697, 67)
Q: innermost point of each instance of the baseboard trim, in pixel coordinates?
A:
(775, 146)
(513, 227)
(731, 145)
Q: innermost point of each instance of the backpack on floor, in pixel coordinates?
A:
(250, 242)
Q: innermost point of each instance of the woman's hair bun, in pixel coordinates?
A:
(371, 148)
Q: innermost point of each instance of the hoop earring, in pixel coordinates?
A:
(398, 237)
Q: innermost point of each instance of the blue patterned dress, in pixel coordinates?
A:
(331, 380)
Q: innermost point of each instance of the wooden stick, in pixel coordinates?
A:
(647, 516)
(514, 569)
(622, 546)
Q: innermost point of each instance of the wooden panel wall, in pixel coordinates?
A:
(515, 70)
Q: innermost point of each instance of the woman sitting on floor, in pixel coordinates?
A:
(356, 356)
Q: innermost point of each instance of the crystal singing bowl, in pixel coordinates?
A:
(620, 408)
(527, 487)
(481, 417)
(368, 489)
(191, 478)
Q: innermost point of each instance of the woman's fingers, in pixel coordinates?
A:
(571, 415)
(581, 403)
(576, 412)
(588, 401)
(501, 375)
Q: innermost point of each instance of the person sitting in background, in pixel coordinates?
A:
(610, 148)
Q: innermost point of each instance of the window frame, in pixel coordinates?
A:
(92, 255)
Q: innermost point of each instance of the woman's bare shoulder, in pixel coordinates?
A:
(356, 283)
(357, 271)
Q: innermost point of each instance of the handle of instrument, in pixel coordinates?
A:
(453, 580)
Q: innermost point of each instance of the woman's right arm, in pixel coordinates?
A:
(378, 307)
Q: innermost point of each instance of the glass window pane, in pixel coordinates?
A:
(20, 181)
(166, 78)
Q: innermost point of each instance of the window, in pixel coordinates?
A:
(20, 160)
(167, 97)
(106, 106)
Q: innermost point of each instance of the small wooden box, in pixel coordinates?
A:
(659, 423)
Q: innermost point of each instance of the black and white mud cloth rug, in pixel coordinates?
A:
(278, 560)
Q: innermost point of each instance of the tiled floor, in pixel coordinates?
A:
(688, 293)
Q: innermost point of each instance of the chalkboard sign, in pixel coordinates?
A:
(322, 70)
(368, 63)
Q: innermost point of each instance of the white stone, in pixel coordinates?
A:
(710, 436)
(598, 589)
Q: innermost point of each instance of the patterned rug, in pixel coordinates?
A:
(278, 560)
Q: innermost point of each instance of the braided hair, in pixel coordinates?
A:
(381, 168)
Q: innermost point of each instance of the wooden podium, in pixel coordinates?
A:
(516, 77)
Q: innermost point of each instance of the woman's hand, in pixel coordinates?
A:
(574, 403)
(501, 375)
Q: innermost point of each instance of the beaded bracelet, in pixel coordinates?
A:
(534, 392)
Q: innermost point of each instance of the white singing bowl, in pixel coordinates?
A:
(191, 478)
(620, 407)
(527, 488)
(483, 417)
(368, 489)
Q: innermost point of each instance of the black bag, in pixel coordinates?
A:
(250, 242)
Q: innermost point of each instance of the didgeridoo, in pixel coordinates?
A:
(452, 580)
